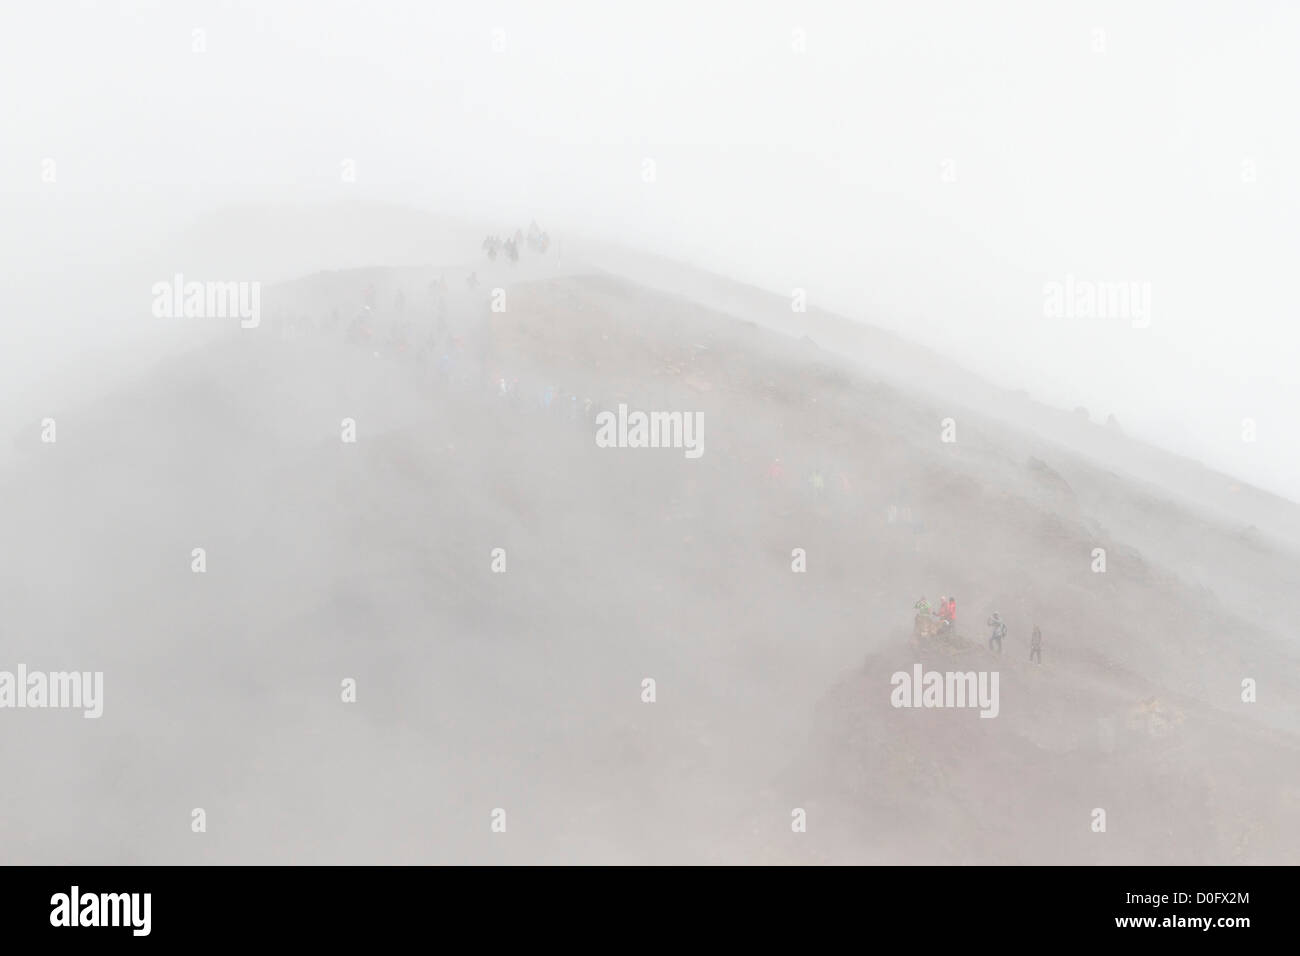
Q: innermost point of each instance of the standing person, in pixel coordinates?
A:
(440, 316)
(1036, 646)
(999, 631)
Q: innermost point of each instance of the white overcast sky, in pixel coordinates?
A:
(1137, 141)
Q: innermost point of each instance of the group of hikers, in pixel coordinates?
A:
(832, 483)
(537, 240)
(446, 333)
(460, 353)
(946, 614)
(396, 331)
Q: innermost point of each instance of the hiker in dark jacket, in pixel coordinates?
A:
(999, 631)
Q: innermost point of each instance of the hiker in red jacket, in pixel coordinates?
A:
(948, 612)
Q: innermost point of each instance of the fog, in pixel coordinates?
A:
(827, 227)
(1095, 140)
